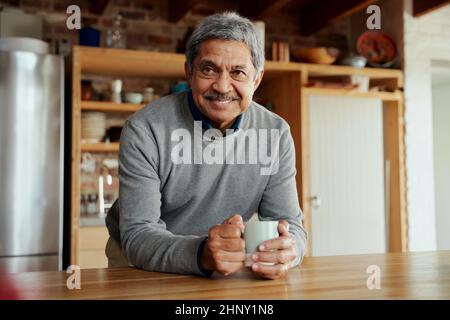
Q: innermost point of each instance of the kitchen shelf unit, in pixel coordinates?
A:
(100, 147)
(106, 106)
(284, 84)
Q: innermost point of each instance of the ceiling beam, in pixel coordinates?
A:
(422, 7)
(321, 13)
(99, 6)
(179, 8)
(261, 9)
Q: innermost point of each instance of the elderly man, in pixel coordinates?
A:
(183, 217)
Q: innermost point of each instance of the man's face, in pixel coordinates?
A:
(222, 80)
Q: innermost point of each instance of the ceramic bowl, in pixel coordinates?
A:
(133, 97)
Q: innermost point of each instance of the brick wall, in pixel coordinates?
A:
(147, 26)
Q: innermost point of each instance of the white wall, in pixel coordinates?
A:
(441, 134)
(426, 38)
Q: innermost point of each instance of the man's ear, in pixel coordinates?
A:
(187, 72)
(258, 80)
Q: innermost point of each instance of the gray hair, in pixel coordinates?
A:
(227, 26)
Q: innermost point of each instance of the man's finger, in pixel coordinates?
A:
(227, 268)
(280, 243)
(283, 228)
(226, 256)
(230, 231)
(273, 272)
(230, 245)
(279, 256)
(236, 218)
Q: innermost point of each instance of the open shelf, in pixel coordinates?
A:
(133, 63)
(328, 70)
(100, 147)
(385, 96)
(107, 106)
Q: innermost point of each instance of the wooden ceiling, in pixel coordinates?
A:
(422, 7)
(313, 14)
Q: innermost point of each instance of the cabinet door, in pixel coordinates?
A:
(347, 175)
(92, 243)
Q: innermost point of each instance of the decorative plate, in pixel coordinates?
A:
(379, 49)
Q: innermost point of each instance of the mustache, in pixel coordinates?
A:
(221, 96)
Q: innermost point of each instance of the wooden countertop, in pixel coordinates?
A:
(403, 276)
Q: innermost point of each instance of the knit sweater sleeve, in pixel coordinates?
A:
(144, 236)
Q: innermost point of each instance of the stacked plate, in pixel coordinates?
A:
(93, 126)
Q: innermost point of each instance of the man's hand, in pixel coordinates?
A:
(224, 251)
(280, 251)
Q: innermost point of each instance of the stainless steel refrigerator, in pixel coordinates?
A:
(31, 156)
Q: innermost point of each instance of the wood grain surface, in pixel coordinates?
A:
(403, 276)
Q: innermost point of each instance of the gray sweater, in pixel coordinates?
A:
(166, 206)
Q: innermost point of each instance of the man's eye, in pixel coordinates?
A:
(239, 73)
(207, 70)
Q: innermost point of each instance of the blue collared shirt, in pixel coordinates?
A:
(206, 123)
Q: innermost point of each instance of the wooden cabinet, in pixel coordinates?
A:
(91, 244)
(285, 85)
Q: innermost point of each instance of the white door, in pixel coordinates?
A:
(347, 175)
(441, 153)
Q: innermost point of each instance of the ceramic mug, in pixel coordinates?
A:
(255, 233)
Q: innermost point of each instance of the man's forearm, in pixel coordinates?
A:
(156, 249)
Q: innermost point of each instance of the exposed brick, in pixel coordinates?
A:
(202, 11)
(108, 23)
(132, 15)
(61, 29)
(61, 5)
(157, 16)
(159, 39)
(136, 38)
(122, 3)
(303, 42)
(89, 21)
(14, 3)
(36, 4)
(147, 28)
(143, 4)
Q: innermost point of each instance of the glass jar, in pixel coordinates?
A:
(116, 37)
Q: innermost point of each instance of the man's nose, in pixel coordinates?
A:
(222, 83)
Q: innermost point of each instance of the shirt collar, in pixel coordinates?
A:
(206, 123)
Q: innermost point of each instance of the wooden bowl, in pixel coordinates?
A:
(320, 55)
